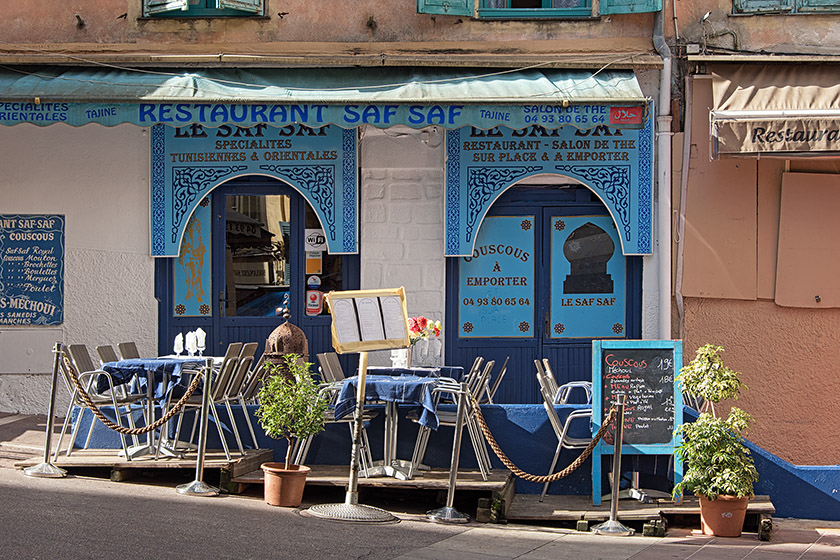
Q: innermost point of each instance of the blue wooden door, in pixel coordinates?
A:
(546, 278)
(258, 263)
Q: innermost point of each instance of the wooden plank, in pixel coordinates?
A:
(91, 458)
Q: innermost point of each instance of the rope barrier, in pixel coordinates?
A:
(88, 402)
(533, 477)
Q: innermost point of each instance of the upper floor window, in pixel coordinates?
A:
(784, 6)
(202, 8)
(530, 9)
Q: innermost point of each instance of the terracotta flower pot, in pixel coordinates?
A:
(724, 516)
(284, 487)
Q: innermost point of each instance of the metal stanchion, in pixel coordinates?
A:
(351, 509)
(47, 469)
(613, 526)
(448, 513)
(198, 487)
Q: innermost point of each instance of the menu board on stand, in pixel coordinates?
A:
(644, 372)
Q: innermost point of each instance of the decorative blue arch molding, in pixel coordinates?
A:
(616, 164)
(190, 162)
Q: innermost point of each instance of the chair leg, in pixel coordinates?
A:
(220, 430)
(420, 446)
(234, 428)
(479, 457)
(73, 430)
(248, 421)
(63, 430)
(551, 468)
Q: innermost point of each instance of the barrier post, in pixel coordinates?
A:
(46, 469)
(448, 513)
(198, 487)
(613, 526)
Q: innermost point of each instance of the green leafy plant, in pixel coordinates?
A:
(708, 378)
(291, 405)
(712, 449)
(716, 458)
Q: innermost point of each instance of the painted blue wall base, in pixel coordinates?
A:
(525, 435)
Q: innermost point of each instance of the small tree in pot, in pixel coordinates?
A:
(719, 467)
(291, 407)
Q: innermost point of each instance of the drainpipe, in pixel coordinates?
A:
(663, 180)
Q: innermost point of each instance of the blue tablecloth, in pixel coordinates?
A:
(454, 372)
(167, 373)
(404, 389)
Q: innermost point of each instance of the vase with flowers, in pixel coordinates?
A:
(421, 331)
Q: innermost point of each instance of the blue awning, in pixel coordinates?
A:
(346, 97)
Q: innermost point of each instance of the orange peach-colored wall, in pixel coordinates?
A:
(788, 358)
(36, 21)
(772, 33)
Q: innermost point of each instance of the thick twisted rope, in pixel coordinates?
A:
(533, 477)
(88, 402)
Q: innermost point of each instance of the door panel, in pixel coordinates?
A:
(582, 288)
(259, 261)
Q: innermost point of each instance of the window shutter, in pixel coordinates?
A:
(151, 7)
(253, 6)
(758, 6)
(819, 5)
(446, 7)
(630, 6)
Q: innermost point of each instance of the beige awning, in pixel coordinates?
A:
(776, 108)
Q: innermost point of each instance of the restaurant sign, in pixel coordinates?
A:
(31, 269)
(496, 292)
(381, 115)
(616, 164)
(189, 162)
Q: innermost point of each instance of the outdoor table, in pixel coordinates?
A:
(393, 390)
(158, 376)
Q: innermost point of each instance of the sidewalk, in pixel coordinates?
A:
(22, 437)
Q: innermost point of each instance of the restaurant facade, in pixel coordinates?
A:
(513, 195)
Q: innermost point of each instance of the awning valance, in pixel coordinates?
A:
(347, 97)
(776, 108)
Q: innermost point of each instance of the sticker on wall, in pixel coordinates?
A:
(313, 282)
(314, 240)
(31, 269)
(191, 271)
(587, 278)
(314, 262)
(496, 290)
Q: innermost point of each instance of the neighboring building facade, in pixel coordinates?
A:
(756, 271)
(204, 165)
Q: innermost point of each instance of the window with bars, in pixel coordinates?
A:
(203, 8)
(784, 6)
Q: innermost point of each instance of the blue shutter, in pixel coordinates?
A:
(819, 5)
(446, 7)
(253, 6)
(630, 6)
(151, 7)
(759, 6)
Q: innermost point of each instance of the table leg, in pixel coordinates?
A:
(148, 450)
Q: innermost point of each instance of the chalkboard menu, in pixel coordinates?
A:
(31, 269)
(645, 376)
(643, 371)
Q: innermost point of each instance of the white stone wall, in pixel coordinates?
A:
(98, 177)
(402, 219)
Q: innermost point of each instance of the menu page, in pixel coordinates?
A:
(344, 318)
(370, 319)
(392, 316)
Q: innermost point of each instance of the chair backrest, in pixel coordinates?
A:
(545, 390)
(491, 391)
(80, 357)
(254, 381)
(549, 377)
(243, 366)
(479, 383)
(567, 389)
(226, 370)
(107, 354)
(128, 350)
(331, 367)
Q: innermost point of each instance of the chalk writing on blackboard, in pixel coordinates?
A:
(645, 376)
(31, 269)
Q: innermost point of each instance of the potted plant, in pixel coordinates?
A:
(291, 407)
(719, 469)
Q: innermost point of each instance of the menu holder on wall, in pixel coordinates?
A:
(644, 371)
(365, 320)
